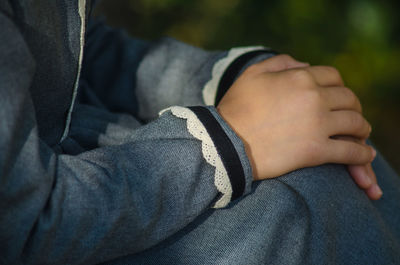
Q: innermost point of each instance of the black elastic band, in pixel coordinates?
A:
(233, 71)
(225, 149)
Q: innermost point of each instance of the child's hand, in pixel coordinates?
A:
(291, 116)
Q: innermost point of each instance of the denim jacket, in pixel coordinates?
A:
(89, 170)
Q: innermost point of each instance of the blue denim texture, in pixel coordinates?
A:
(309, 216)
(125, 183)
(119, 183)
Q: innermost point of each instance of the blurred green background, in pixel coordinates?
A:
(359, 37)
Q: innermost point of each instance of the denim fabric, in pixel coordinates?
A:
(124, 74)
(116, 185)
(309, 216)
(121, 185)
(51, 30)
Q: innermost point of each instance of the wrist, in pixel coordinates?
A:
(246, 144)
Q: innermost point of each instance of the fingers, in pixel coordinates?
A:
(326, 75)
(347, 122)
(371, 173)
(277, 63)
(361, 171)
(341, 98)
(365, 178)
(363, 175)
(374, 192)
(360, 175)
(323, 75)
(347, 152)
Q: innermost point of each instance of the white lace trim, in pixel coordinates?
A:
(210, 154)
(82, 15)
(210, 89)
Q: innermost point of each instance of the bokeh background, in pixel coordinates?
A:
(359, 37)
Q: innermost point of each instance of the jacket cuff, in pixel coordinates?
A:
(221, 148)
(227, 70)
(238, 146)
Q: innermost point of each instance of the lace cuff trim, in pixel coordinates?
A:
(210, 154)
(210, 89)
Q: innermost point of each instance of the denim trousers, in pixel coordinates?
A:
(309, 216)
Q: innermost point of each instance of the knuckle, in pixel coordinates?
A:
(349, 93)
(358, 154)
(303, 78)
(352, 154)
(367, 129)
(335, 72)
(358, 122)
(353, 98)
(357, 102)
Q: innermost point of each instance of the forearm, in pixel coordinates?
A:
(139, 192)
(140, 77)
(57, 208)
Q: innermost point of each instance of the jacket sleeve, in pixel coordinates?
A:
(110, 201)
(140, 77)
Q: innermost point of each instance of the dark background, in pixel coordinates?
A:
(359, 37)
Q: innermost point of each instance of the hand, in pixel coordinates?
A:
(286, 126)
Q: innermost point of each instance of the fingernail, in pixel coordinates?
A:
(376, 190)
